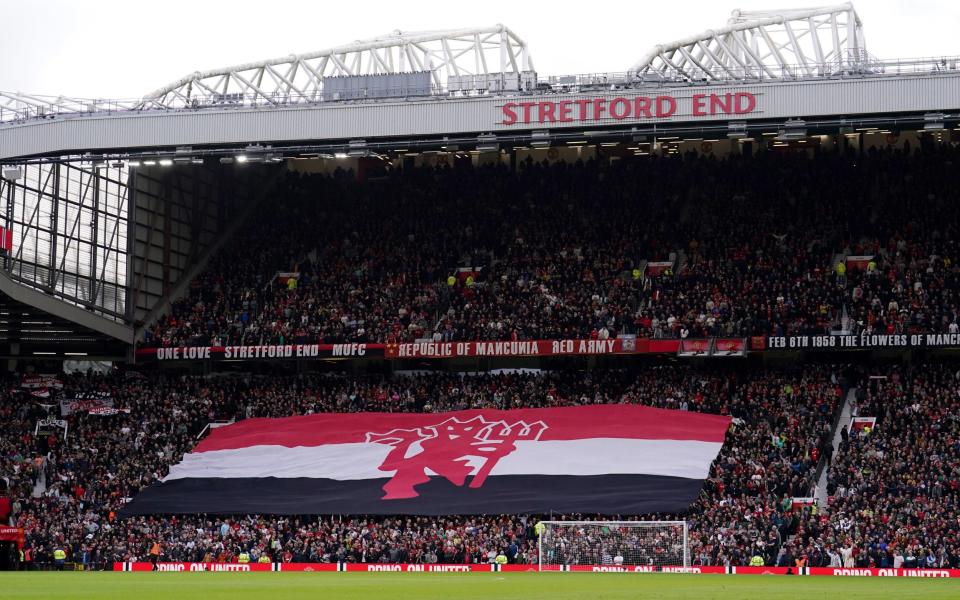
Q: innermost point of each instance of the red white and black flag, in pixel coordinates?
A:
(606, 459)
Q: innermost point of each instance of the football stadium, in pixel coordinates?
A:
(407, 318)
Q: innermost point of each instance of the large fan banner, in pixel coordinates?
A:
(605, 459)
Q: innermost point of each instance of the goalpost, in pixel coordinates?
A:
(649, 544)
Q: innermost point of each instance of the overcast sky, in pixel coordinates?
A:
(126, 48)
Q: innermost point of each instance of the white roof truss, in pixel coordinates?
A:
(299, 77)
(765, 44)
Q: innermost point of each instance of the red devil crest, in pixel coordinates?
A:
(448, 449)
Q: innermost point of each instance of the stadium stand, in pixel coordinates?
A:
(895, 484)
(555, 252)
(549, 252)
(67, 493)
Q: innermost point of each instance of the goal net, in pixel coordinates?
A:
(651, 545)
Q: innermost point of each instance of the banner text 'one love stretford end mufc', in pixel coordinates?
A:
(605, 459)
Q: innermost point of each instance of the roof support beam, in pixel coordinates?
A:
(63, 310)
(763, 43)
(444, 53)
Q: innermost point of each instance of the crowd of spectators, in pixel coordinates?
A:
(896, 484)
(69, 489)
(558, 250)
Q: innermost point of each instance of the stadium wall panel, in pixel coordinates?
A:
(371, 120)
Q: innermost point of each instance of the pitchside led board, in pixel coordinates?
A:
(607, 459)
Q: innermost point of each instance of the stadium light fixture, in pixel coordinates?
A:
(540, 139)
(487, 142)
(12, 173)
(793, 129)
(242, 158)
(933, 122)
(149, 163)
(788, 136)
(340, 155)
(737, 130)
(165, 162)
(133, 163)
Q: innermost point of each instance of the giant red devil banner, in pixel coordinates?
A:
(606, 459)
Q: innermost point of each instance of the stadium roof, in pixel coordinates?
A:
(35, 324)
(481, 51)
(765, 44)
(753, 45)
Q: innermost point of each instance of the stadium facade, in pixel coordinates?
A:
(113, 206)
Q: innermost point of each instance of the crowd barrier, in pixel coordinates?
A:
(488, 568)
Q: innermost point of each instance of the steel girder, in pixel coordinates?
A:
(299, 77)
(765, 44)
(16, 105)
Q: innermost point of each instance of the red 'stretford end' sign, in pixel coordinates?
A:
(617, 109)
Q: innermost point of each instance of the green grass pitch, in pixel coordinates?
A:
(460, 586)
